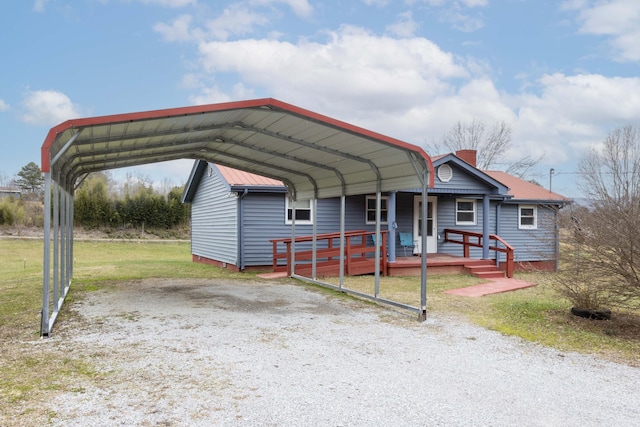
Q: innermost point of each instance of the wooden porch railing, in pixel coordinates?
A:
(356, 251)
(473, 239)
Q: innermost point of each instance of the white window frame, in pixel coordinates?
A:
(475, 212)
(308, 206)
(383, 210)
(533, 226)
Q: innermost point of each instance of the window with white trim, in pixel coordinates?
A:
(371, 209)
(527, 217)
(465, 212)
(304, 214)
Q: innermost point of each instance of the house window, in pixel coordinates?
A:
(304, 214)
(465, 212)
(371, 210)
(527, 217)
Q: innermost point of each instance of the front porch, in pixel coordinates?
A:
(445, 264)
(359, 256)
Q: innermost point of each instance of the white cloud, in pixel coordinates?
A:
(462, 20)
(299, 7)
(352, 64)
(171, 3)
(213, 95)
(178, 31)
(3, 106)
(617, 19)
(574, 4)
(48, 107)
(38, 5)
(378, 3)
(236, 20)
(574, 112)
(405, 26)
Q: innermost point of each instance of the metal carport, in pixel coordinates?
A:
(314, 155)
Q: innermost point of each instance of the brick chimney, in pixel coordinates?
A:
(468, 156)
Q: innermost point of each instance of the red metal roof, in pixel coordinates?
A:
(525, 190)
(238, 177)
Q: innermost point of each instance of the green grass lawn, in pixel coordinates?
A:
(536, 314)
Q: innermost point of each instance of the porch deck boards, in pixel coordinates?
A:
(402, 266)
(436, 264)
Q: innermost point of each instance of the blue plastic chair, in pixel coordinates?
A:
(406, 240)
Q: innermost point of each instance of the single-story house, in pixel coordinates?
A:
(235, 215)
(10, 192)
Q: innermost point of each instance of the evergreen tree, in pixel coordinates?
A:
(30, 178)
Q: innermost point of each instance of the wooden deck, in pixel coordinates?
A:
(359, 256)
(441, 264)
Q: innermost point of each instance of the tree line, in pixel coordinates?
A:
(140, 205)
(99, 202)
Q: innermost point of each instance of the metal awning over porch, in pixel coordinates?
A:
(313, 155)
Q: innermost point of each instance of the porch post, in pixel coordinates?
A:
(485, 227)
(498, 218)
(392, 225)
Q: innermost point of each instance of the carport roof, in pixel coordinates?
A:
(313, 155)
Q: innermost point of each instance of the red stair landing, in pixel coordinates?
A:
(484, 269)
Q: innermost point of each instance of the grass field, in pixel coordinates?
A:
(26, 378)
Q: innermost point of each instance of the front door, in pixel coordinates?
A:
(432, 224)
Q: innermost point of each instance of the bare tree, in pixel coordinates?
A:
(491, 144)
(5, 180)
(605, 237)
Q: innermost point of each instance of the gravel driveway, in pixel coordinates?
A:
(202, 353)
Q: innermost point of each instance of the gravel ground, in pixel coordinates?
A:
(203, 353)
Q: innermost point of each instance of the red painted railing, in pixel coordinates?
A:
(472, 239)
(357, 254)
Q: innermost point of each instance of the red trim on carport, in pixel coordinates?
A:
(200, 109)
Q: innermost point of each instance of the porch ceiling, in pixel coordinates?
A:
(314, 155)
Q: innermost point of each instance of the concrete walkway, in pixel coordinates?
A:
(494, 286)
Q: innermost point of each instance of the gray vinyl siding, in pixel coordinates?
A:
(214, 221)
(531, 245)
(461, 180)
(447, 219)
(264, 219)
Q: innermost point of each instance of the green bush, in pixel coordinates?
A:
(7, 216)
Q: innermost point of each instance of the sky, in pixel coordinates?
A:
(562, 74)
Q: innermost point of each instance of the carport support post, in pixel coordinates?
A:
(56, 244)
(342, 239)
(61, 241)
(378, 242)
(293, 236)
(314, 218)
(423, 261)
(44, 322)
(70, 215)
